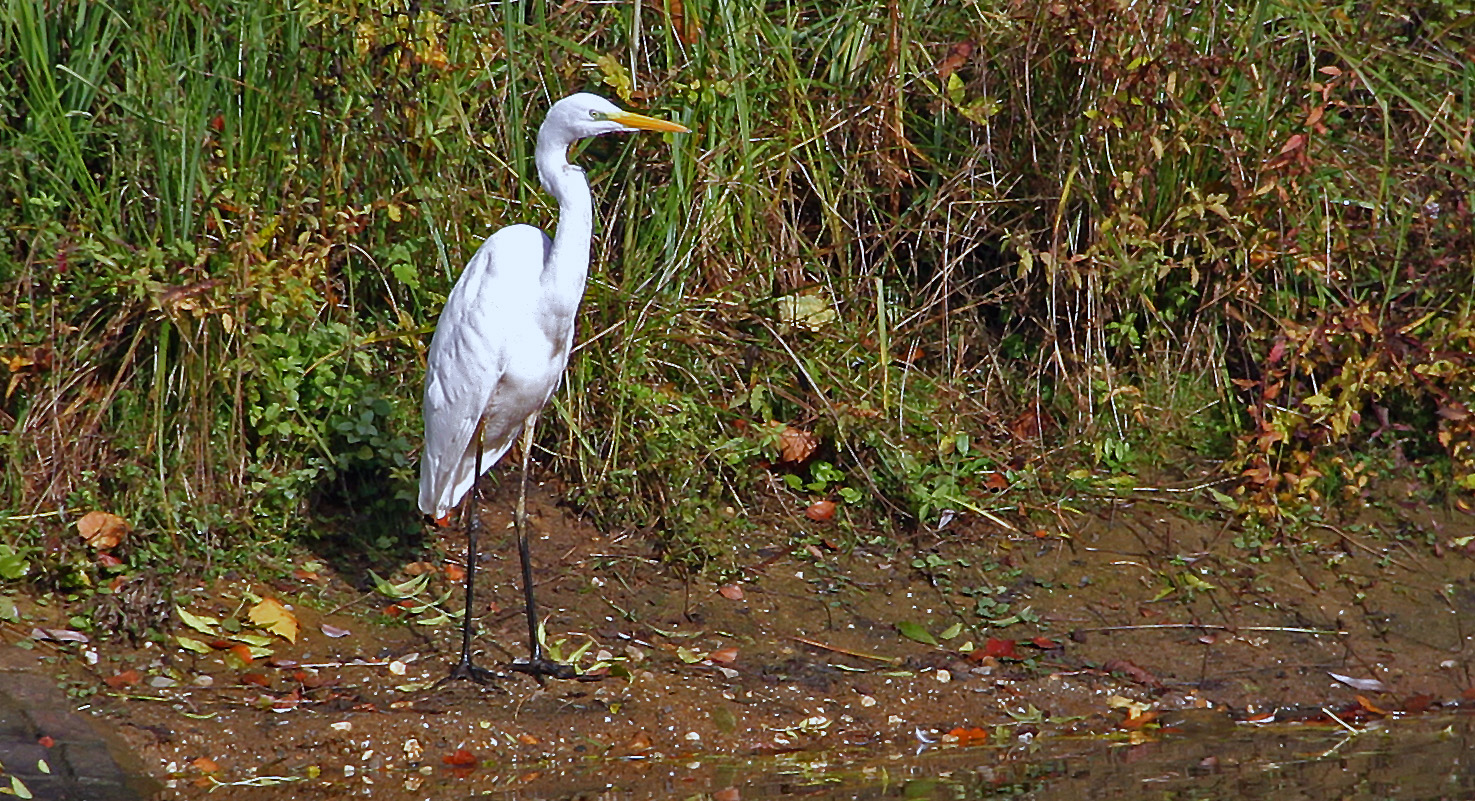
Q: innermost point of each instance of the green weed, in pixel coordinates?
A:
(980, 253)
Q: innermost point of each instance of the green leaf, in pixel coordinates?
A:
(916, 632)
(955, 89)
(201, 623)
(192, 644)
(951, 631)
(13, 565)
(1196, 583)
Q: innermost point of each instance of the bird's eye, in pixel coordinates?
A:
(595, 114)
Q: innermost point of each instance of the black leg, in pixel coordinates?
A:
(538, 666)
(464, 669)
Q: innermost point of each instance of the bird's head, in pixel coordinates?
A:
(583, 115)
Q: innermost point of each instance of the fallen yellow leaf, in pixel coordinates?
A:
(271, 615)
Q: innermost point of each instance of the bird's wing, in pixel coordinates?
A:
(468, 357)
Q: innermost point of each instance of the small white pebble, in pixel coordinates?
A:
(341, 725)
(943, 676)
(413, 751)
(397, 668)
(867, 701)
(693, 736)
(348, 770)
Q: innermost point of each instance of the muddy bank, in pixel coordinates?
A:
(1132, 621)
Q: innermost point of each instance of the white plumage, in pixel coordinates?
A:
(503, 340)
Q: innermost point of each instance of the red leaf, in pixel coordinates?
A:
(1000, 649)
(127, 678)
(103, 530)
(1277, 350)
(45, 741)
(957, 56)
(461, 759)
(969, 736)
(795, 444)
(1296, 142)
(820, 511)
(1135, 722)
(724, 656)
(1132, 672)
(732, 592)
(1418, 703)
(1369, 706)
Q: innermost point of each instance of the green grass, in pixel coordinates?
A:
(227, 228)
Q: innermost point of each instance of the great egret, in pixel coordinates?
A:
(501, 346)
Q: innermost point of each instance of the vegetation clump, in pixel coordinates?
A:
(919, 259)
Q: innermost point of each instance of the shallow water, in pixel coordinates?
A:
(1423, 759)
(1426, 759)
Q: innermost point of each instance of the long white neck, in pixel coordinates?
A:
(567, 266)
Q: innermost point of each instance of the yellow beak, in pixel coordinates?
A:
(630, 119)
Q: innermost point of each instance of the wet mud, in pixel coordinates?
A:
(1132, 624)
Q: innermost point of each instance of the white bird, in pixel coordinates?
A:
(502, 343)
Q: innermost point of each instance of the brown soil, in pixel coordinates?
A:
(1136, 603)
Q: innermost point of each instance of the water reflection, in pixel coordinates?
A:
(1424, 759)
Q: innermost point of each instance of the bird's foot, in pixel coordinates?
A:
(465, 671)
(542, 669)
